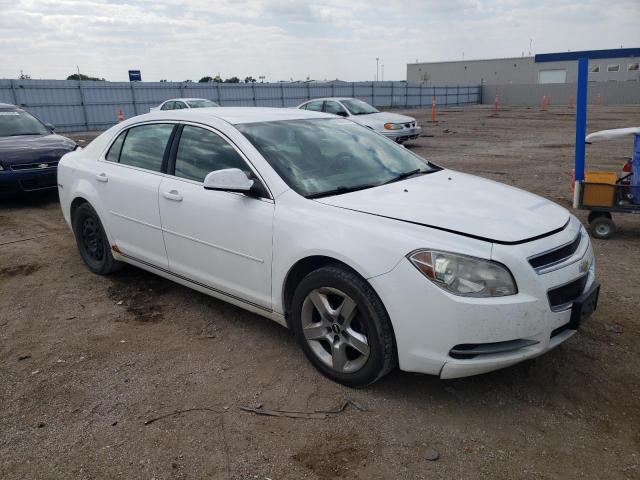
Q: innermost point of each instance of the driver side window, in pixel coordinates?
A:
(335, 108)
(201, 151)
(168, 106)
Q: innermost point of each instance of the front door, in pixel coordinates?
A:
(220, 239)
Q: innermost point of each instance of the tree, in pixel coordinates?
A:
(206, 79)
(232, 80)
(249, 79)
(82, 76)
(24, 76)
(188, 81)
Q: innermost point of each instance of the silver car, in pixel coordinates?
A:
(392, 125)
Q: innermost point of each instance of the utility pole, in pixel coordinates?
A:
(382, 72)
(377, 60)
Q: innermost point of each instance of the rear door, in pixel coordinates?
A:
(222, 240)
(128, 179)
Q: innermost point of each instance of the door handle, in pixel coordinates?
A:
(102, 177)
(172, 195)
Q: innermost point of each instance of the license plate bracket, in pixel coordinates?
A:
(584, 306)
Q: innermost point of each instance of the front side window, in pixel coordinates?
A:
(144, 146)
(19, 122)
(315, 106)
(201, 151)
(331, 156)
(179, 105)
(358, 107)
(168, 106)
(335, 108)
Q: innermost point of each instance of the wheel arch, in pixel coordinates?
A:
(305, 266)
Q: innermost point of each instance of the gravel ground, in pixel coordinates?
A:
(85, 361)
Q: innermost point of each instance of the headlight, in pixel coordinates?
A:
(392, 126)
(463, 275)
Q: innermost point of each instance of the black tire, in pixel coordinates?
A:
(92, 242)
(603, 228)
(596, 214)
(370, 317)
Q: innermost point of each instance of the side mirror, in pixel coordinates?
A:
(228, 180)
(342, 113)
(50, 126)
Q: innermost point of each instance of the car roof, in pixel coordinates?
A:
(330, 98)
(185, 99)
(234, 115)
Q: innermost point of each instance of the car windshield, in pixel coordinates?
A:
(20, 123)
(202, 103)
(321, 157)
(358, 107)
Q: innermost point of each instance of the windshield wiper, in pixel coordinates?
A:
(404, 175)
(339, 191)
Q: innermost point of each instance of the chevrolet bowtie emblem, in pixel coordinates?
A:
(584, 265)
(43, 165)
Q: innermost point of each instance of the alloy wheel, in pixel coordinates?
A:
(333, 329)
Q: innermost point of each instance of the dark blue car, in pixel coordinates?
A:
(29, 152)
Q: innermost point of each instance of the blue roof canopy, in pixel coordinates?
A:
(592, 54)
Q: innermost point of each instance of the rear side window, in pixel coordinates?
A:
(144, 146)
(168, 106)
(114, 152)
(315, 106)
(201, 152)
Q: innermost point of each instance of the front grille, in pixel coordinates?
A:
(561, 297)
(35, 166)
(410, 125)
(40, 181)
(555, 256)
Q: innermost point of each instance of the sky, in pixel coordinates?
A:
(290, 39)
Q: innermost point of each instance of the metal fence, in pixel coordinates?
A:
(85, 105)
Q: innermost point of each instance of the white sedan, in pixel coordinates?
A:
(392, 125)
(184, 103)
(373, 256)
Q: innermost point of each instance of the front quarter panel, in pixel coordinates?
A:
(369, 244)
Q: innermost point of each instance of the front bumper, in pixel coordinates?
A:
(431, 324)
(25, 181)
(403, 134)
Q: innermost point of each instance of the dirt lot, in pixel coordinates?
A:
(86, 360)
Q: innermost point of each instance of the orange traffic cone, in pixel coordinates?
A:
(543, 103)
(120, 115)
(496, 103)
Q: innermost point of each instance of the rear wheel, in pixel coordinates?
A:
(603, 227)
(92, 242)
(343, 327)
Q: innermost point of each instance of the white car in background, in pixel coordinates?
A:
(184, 103)
(371, 254)
(392, 125)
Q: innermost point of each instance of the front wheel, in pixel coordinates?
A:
(92, 242)
(343, 327)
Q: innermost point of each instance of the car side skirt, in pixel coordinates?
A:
(207, 290)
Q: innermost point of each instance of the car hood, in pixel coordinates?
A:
(462, 204)
(381, 118)
(26, 148)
